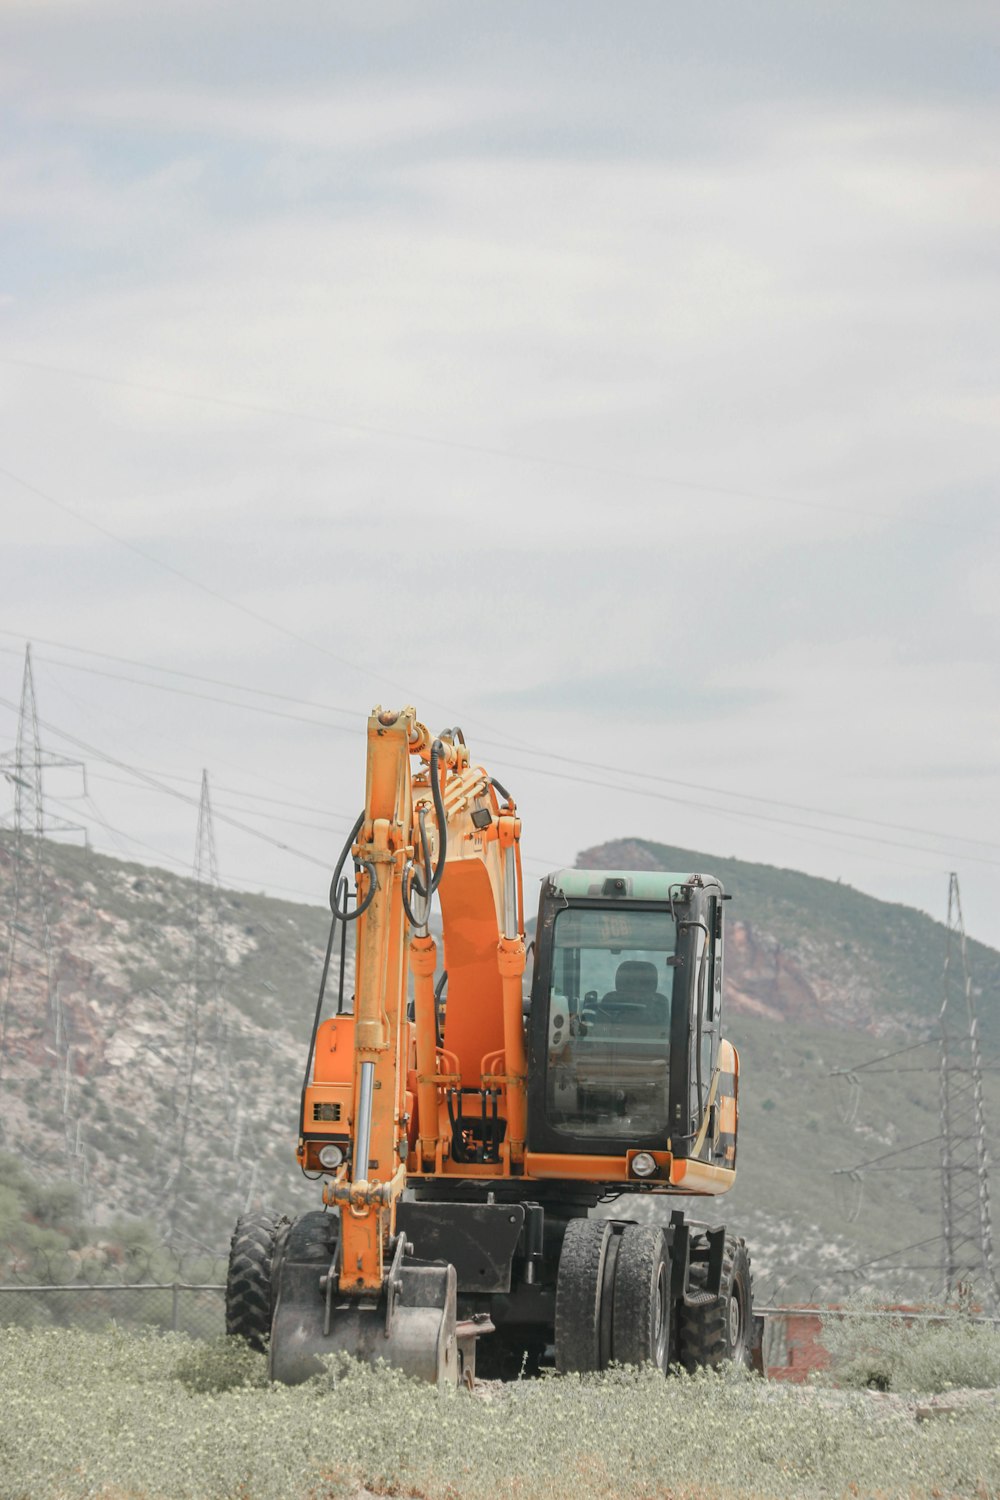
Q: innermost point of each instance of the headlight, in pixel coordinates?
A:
(643, 1165)
(331, 1156)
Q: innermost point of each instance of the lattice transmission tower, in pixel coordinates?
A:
(30, 982)
(966, 1227)
(204, 1075)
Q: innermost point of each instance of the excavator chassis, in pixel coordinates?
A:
(490, 1271)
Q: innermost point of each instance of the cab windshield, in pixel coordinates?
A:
(609, 1022)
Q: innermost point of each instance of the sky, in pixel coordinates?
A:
(618, 382)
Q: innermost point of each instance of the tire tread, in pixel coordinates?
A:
(642, 1249)
(579, 1287)
(703, 1335)
(248, 1282)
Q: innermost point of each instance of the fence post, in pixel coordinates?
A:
(175, 1288)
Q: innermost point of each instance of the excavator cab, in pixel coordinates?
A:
(625, 1017)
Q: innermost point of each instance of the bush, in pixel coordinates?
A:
(889, 1354)
(221, 1364)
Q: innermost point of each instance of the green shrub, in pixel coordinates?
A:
(221, 1364)
(889, 1354)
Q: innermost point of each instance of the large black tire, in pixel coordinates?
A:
(579, 1291)
(641, 1324)
(249, 1288)
(720, 1329)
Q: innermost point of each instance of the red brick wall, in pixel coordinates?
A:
(802, 1348)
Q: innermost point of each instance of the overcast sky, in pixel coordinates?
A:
(618, 381)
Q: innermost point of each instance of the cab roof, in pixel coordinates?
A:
(640, 885)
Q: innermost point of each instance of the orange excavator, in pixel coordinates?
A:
(485, 1147)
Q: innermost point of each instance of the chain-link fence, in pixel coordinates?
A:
(139, 1287)
(105, 1284)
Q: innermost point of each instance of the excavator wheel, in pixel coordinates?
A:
(580, 1292)
(249, 1290)
(717, 1329)
(641, 1319)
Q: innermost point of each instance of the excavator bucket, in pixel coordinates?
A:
(412, 1325)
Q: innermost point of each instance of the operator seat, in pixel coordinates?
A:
(635, 998)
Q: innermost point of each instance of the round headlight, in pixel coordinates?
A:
(331, 1156)
(643, 1165)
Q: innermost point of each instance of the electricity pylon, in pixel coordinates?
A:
(205, 1054)
(966, 1228)
(31, 960)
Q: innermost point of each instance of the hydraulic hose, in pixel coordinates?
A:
(424, 885)
(437, 750)
(439, 990)
(352, 916)
(431, 878)
(409, 884)
(501, 789)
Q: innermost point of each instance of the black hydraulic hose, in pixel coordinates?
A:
(437, 750)
(424, 885)
(501, 789)
(439, 990)
(352, 916)
(411, 880)
(409, 883)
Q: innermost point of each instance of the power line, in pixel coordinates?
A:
(736, 812)
(723, 811)
(149, 666)
(195, 583)
(344, 819)
(166, 687)
(570, 465)
(170, 791)
(87, 706)
(549, 755)
(245, 887)
(233, 791)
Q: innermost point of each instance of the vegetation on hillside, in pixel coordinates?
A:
(46, 1241)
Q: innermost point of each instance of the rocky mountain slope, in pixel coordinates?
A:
(159, 1068)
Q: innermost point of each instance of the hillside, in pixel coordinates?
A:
(163, 1082)
(172, 1092)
